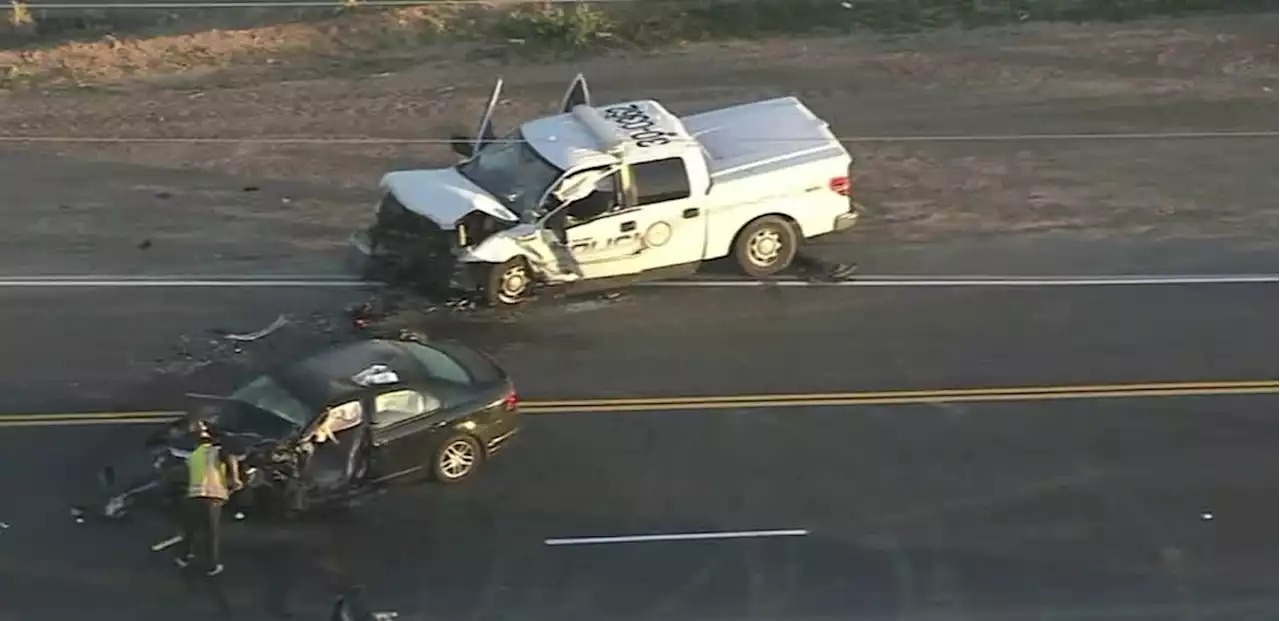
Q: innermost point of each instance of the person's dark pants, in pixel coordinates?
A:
(201, 529)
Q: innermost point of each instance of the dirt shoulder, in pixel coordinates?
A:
(1189, 74)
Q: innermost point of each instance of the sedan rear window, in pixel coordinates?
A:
(440, 365)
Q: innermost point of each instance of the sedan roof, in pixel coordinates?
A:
(327, 378)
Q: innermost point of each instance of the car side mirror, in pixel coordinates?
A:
(461, 145)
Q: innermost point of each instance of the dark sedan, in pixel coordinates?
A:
(351, 420)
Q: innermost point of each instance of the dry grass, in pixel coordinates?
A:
(345, 38)
(364, 37)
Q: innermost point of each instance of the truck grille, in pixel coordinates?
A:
(415, 243)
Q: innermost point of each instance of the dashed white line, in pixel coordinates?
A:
(738, 534)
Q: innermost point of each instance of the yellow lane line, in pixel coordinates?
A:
(41, 421)
(1015, 393)
(903, 400)
(943, 393)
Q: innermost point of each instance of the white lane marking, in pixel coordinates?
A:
(78, 281)
(983, 281)
(350, 140)
(739, 534)
(865, 281)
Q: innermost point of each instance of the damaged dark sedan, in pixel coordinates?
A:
(344, 423)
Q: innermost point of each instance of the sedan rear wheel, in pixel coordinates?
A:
(456, 459)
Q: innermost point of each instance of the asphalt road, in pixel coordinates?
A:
(1157, 508)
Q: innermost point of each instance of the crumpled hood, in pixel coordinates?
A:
(442, 194)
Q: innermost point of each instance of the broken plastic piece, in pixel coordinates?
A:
(253, 336)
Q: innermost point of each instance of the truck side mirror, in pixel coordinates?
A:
(461, 145)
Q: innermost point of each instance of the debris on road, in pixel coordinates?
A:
(144, 244)
(814, 269)
(279, 322)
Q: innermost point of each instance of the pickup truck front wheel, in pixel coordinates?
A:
(766, 246)
(508, 283)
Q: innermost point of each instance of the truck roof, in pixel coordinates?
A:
(745, 136)
(588, 137)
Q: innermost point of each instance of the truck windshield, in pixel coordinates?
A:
(512, 171)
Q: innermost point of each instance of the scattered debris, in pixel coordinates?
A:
(376, 375)
(253, 336)
(167, 543)
(1206, 516)
(144, 244)
(251, 188)
(4, 526)
(163, 194)
(814, 269)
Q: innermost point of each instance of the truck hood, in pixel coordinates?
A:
(442, 195)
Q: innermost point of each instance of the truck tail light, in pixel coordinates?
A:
(511, 402)
(840, 185)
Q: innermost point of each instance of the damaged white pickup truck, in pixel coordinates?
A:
(624, 191)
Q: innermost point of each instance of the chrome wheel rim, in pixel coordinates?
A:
(457, 459)
(513, 284)
(765, 247)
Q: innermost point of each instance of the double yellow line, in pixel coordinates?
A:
(891, 397)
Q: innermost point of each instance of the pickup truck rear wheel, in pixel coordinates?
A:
(766, 246)
(508, 283)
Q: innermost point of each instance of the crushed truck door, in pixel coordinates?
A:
(591, 233)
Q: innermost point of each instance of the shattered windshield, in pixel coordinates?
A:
(265, 393)
(512, 171)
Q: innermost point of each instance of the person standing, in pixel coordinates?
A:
(212, 476)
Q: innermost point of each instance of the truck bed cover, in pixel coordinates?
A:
(743, 139)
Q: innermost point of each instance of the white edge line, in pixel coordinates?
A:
(742, 534)
(160, 282)
(1064, 281)
(873, 281)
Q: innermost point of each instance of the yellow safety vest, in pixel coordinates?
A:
(207, 474)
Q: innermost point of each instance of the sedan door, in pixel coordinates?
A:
(401, 442)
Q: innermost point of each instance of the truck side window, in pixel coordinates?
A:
(660, 181)
(597, 204)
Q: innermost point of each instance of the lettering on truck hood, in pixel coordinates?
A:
(442, 194)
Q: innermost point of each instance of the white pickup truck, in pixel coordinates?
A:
(621, 191)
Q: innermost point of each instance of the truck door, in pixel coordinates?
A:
(576, 95)
(485, 133)
(594, 234)
(602, 235)
(671, 216)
